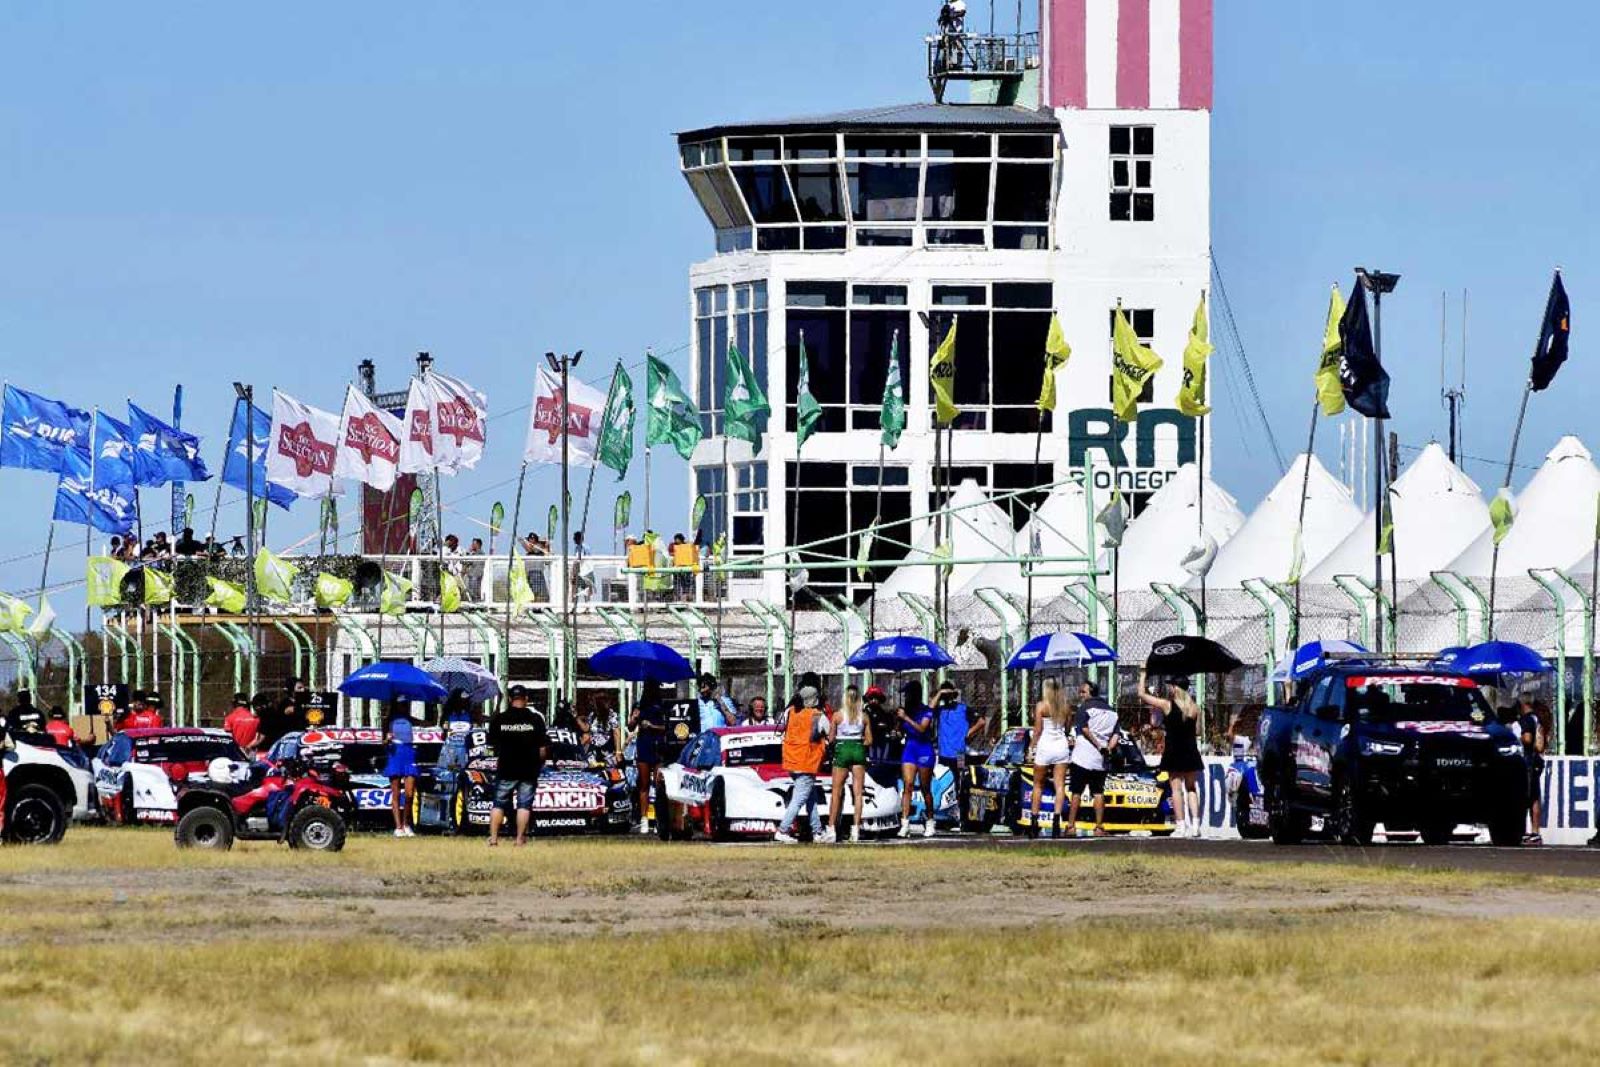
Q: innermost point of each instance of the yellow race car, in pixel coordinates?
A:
(1001, 787)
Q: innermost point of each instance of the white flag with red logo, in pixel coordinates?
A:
(444, 425)
(586, 408)
(301, 447)
(369, 444)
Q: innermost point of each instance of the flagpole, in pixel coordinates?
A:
(571, 634)
(1505, 483)
(1200, 432)
(644, 589)
(794, 490)
(511, 561)
(938, 511)
(216, 504)
(1295, 563)
(1038, 448)
(438, 544)
(1594, 591)
(727, 511)
(877, 517)
(383, 560)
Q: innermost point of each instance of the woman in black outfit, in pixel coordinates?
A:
(1178, 714)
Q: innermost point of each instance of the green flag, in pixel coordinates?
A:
(225, 596)
(103, 578)
(621, 514)
(497, 519)
(329, 516)
(392, 601)
(332, 591)
(1132, 365)
(260, 508)
(615, 447)
(1330, 393)
(157, 587)
(672, 418)
(43, 621)
(1192, 393)
(892, 416)
(1056, 354)
(551, 521)
(188, 509)
(414, 511)
(743, 402)
(697, 512)
(13, 614)
(864, 555)
(1502, 514)
(275, 577)
(1386, 530)
(942, 376)
(449, 593)
(808, 413)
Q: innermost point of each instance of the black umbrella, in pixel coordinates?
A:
(1180, 654)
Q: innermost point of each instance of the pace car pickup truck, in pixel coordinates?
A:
(1413, 749)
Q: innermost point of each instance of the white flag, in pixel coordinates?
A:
(585, 413)
(444, 426)
(46, 618)
(301, 447)
(369, 444)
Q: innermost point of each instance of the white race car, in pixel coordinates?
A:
(136, 772)
(729, 782)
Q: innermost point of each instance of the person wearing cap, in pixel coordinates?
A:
(26, 718)
(59, 729)
(916, 758)
(242, 723)
(880, 717)
(521, 743)
(1094, 734)
(805, 744)
(957, 727)
(146, 712)
(715, 709)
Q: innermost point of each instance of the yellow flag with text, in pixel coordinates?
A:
(1132, 366)
(1330, 393)
(1192, 393)
(1056, 354)
(942, 376)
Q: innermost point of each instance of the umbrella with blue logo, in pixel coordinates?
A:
(478, 681)
(900, 654)
(1312, 656)
(393, 681)
(1070, 649)
(1499, 657)
(641, 661)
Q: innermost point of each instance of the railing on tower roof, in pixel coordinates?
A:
(979, 57)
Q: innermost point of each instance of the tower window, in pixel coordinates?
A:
(1133, 150)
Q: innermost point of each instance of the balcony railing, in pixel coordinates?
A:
(973, 56)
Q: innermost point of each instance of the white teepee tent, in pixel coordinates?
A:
(1264, 546)
(1555, 519)
(980, 530)
(1060, 529)
(1157, 541)
(1438, 512)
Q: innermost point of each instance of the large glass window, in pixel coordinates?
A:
(848, 332)
(745, 526)
(820, 192)
(722, 314)
(835, 500)
(1000, 334)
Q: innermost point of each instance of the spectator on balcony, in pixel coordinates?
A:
(188, 545)
(757, 715)
(475, 547)
(161, 548)
(236, 548)
(686, 556)
(953, 17)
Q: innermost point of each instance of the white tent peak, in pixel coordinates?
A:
(1555, 519)
(1264, 546)
(980, 529)
(1060, 525)
(1168, 528)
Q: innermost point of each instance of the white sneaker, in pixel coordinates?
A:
(644, 826)
(825, 838)
(399, 833)
(410, 832)
(855, 835)
(927, 828)
(905, 830)
(785, 839)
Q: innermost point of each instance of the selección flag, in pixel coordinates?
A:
(1056, 354)
(1132, 365)
(1192, 393)
(1329, 392)
(942, 376)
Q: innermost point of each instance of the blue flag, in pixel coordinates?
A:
(112, 459)
(78, 501)
(36, 432)
(162, 454)
(234, 469)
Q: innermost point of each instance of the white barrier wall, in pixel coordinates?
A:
(1568, 793)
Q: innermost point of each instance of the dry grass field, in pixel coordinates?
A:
(116, 948)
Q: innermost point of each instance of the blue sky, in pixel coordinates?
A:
(203, 193)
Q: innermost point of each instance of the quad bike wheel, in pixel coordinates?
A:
(316, 829)
(205, 827)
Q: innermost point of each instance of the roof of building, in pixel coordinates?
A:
(921, 116)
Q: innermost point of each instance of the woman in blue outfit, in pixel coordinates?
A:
(401, 769)
(917, 758)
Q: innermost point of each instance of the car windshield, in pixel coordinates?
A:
(752, 753)
(185, 748)
(1415, 698)
(1012, 751)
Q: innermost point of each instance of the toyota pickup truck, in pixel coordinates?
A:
(1414, 749)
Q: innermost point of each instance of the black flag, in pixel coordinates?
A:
(1552, 350)
(1361, 376)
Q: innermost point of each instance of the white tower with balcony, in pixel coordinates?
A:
(1077, 180)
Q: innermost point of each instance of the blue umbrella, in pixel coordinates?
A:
(899, 654)
(1070, 649)
(1311, 657)
(1448, 655)
(641, 661)
(393, 681)
(1500, 657)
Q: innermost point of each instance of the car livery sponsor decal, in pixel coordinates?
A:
(371, 799)
(751, 826)
(1360, 681)
(563, 822)
(1465, 729)
(743, 740)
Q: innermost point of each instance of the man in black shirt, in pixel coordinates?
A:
(520, 744)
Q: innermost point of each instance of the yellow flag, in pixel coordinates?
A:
(104, 581)
(1502, 515)
(13, 614)
(1329, 392)
(942, 375)
(157, 587)
(226, 596)
(331, 591)
(521, 592)
(1056, 354)
(392, 601)
(449, 593)
(1192, 393)
(275, 577)
(1132, 365)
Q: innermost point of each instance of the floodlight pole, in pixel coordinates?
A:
(247, 394)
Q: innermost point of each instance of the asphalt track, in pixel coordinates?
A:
(1544, 861)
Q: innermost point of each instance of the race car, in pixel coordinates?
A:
(575, 790)
(36, 759)
(1244, 787)
(135, 772)
(1001, 792)
(729, 782)
(364, 755)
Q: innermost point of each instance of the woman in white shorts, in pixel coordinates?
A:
(1052, 748)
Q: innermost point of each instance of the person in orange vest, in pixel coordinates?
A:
(805, 743)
